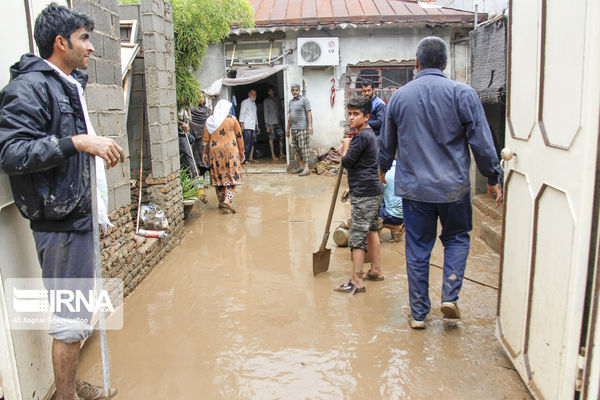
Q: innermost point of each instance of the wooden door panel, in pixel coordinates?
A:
(516, 263)
(546, 333)
(523, 73)
(562, 75)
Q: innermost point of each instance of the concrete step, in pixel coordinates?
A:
(491, 234)
(487, 205)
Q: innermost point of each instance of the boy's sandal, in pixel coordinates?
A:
(350, 288)
(373, 276)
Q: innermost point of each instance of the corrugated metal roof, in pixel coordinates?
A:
(271, 13)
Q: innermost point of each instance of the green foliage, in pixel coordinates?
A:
(190, 186)
(197, 23)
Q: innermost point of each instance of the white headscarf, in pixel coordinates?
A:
(222, 110)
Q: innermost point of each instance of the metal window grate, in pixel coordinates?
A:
(386, 79)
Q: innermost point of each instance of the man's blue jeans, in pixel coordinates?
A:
(420, 223)
(249, 138)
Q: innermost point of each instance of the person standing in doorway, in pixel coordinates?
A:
(300, 128)
(378, 113)
(429, 126)
(46, 139)
(272, 112)
(249, 123)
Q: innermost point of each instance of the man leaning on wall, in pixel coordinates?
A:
(45, 141)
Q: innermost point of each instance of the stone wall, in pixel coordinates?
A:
(124, 254)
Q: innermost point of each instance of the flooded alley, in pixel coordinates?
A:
(234, 312)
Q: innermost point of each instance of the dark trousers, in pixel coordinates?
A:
(249, 137)
(420, 223)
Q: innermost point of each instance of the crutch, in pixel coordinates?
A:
(98, 273)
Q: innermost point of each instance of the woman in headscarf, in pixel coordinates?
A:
(223, 152)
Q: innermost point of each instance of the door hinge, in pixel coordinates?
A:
(581, 359)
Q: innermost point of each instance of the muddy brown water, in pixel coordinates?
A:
(235, 313)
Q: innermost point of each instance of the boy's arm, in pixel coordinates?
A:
(355, 150)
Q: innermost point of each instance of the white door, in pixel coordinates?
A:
(553, 127)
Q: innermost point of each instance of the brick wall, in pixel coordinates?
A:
(124, 254)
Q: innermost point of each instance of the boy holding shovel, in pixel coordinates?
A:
(359, 157)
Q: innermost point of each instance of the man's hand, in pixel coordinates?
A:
(101, 146)
(204, 158)
(310, 130)
(287, 133)
(268, 129)
(242, 157)
(382, 177)
(495, 192)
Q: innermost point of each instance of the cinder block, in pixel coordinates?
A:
(96, 98)
(91, 70)
(109, 124)
(155, 59)
(101, 17)
(154, 132)
(153, 7)
(129, 11)
(112, 49)
(105, 73)
(112, 5)
(83, 6)
(154, 41)
(175, 164)
(122, 196)
(152, 80)
(111, 200)
(172, 147)
(115, 176)
(168, 12)
(170, 63)
(158, 151)
(160, 169)
(115, 97)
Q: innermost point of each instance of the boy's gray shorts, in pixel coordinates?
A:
(67, 255)
(363, 219)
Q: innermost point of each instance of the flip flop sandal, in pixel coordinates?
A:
(373, 277)
(350, 288)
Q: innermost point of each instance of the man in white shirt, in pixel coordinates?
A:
(249, 122)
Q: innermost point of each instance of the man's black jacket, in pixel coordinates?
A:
(50, 180)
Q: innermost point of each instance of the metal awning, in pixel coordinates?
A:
(244, 77)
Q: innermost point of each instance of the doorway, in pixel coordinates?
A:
(262, 151)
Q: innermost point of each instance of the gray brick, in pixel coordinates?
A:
(154, 58)
(122, 195)
(169, 132)
(96, 98)
(115, 176)
(170, 63)
(101, 17)
(83, 6)
(155, 134)
(109, 124)
(172, 147)
(129, 11)
(115, 97)
(111, 200)
(158, 151)
(168, 12)
(118, 74)
(91, 70)
(112, 5)
(105, 73)
(163, 80)
(175, 164)
(160, 169)
(153, 7)
(154, 41)
(112, 49)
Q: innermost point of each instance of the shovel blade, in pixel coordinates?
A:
(321, 261)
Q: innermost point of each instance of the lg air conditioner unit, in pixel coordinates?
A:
(318, 51)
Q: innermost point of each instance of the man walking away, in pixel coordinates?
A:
(45, 141)
(249, 122)
(199, 116)
(430, 124)
(272, 112)
(300, 127)
(378, 113)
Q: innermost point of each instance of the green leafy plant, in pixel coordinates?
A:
(190, 186)
(196, 24)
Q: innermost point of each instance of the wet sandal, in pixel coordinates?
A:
(373, 277)
(350, 288)
(227, 206)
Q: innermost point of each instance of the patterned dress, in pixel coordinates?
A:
(225, 145)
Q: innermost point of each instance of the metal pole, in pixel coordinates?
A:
(98, 273)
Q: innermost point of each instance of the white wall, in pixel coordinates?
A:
(484, 6)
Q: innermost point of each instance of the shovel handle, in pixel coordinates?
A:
(332, 207)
